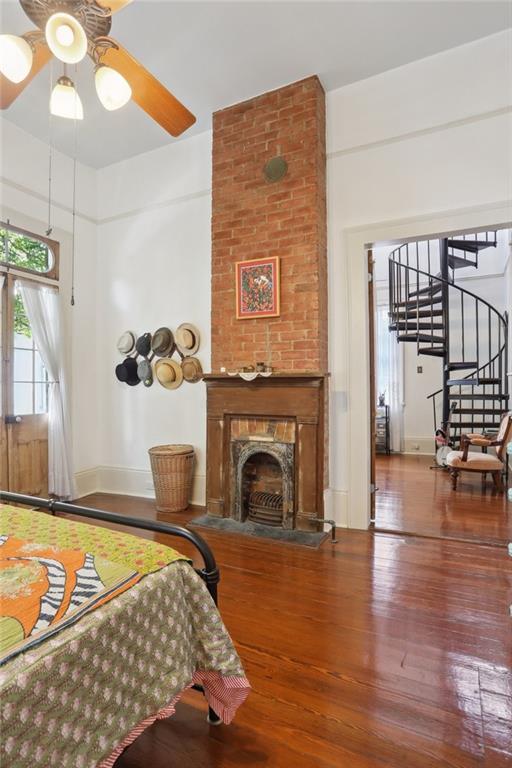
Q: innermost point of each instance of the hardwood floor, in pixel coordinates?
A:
(414, 499)
(382, 651)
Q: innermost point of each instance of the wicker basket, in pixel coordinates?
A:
(172, 467)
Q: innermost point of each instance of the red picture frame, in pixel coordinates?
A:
(257, 288)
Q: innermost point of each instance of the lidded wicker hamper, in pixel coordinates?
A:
(172, 467)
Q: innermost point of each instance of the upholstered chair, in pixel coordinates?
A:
(472, 461)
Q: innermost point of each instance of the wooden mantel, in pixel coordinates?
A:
(272, 377)
(298, 397)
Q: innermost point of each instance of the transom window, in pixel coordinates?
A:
(28, 253)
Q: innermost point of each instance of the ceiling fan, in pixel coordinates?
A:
(70, 29)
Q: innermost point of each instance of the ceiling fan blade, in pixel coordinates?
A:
(9, 91)
(147, 91)
(113, 5)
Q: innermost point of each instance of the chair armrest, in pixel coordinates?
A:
(465, 442)
(478, 440)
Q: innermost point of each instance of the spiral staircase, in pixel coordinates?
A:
(467, 334)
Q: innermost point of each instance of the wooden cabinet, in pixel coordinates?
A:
(382, 436)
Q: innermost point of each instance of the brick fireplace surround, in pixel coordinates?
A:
(255, 218)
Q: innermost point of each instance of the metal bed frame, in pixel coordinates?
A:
(209, 573)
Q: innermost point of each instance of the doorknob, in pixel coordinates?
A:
(13, 419)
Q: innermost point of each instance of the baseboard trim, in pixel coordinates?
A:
(336, 507)
(425, 446)
(86, 482)
(127, 481)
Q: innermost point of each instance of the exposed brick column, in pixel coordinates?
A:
(253, 218)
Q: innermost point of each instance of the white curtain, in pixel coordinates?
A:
(390, 376)
(42, 304)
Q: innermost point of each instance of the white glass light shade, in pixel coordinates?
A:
(112, 88)
(65, 101)
(15, 58)
(66, 38)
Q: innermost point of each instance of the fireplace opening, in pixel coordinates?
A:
(262, 490)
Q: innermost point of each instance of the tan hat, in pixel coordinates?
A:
(192, 369)
(126, 343)
(187, 338)
(169, 373)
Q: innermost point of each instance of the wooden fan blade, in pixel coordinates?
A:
(147, 91)
(113, 5)
(9, 91)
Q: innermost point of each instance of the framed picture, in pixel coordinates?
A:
(257, 288)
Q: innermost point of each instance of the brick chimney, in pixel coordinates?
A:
(256, 218)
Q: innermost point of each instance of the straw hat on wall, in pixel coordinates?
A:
(192, 369)
(188, 339)
(169, 373)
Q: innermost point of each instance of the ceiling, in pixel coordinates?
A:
(213, 54)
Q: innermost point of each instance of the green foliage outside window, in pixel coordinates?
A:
(21, 251)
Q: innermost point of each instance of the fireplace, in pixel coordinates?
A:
(262, 472)
(266, 449)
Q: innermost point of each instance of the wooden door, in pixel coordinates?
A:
(25, 397)
(373, 400)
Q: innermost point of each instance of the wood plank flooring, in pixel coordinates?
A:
(415, 499)
(382, 651)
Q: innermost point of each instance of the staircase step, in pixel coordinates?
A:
(473, 381)
(469, 426)
(472, 246)
(461, 365)
(410, 305)
(462, 382)
(423, 337)
(422, 313)
(431, 351)
(410, 326)
(429, 290)
(457, 262)
(482, 410)
(477, 397)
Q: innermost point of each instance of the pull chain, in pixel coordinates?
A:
(74, 201)
(50, 159)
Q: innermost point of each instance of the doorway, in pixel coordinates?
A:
(413, 493)
(24, 380)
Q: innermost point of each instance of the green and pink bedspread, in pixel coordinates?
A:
(100, 633)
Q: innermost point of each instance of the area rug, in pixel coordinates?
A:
(305, 538)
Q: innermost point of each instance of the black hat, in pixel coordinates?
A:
(127, 372)
(143, 345)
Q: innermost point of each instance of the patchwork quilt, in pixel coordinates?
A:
(53, 571)
(83, 673)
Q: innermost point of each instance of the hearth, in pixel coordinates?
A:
(266, 449)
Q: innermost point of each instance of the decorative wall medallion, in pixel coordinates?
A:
(275, 169)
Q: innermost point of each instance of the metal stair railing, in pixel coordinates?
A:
(417, 298)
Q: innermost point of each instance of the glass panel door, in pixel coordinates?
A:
(25, 396)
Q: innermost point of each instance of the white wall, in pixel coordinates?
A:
(23, 200)
(154, 270)
(431, 137)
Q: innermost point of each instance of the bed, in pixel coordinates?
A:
(100, 634)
